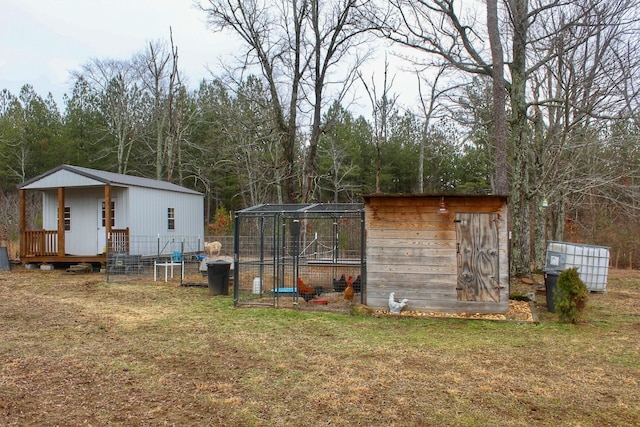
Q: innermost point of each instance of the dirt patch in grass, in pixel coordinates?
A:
(75, 350)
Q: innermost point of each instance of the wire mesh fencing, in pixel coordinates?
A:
(163, 258)
(303, 256)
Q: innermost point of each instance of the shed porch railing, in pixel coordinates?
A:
(45, 242)
(119, 241)
(40, 243)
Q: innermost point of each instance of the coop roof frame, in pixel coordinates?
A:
(297, 209)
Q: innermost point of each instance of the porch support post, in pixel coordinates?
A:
(23, 223)
(107, 212)
(61, 249)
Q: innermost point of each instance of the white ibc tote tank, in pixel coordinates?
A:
(591, 261)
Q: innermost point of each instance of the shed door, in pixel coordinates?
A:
(477, 246)
(102, 225)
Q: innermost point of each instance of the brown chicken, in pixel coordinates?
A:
(348, 292)
(304, 290)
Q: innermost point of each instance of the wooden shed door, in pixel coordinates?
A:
(102, 226)
(477, 246)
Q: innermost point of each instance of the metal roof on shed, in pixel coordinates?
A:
(104, 177)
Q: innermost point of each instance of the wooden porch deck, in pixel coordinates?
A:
(44, 246)
(66, 259)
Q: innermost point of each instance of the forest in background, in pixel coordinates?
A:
(278, 125)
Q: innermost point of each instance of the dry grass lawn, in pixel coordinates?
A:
(75, 350)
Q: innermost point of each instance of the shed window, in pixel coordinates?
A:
(67, 218)
(171, 219)
(113, 214)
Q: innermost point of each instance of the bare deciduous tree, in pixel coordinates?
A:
(153, 65)
(501, 182)
(122, 103)
(296, 44)
(382, 106)
(431, 104)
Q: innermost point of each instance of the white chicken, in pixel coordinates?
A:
(396, 307)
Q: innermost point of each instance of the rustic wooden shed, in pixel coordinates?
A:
(82, 208)
(443, 253)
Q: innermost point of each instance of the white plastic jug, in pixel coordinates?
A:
(257, 286)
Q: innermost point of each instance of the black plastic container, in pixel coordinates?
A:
(550, 284)
(218, 277)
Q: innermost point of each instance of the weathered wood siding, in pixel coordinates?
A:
(477, 249)
(412, 250)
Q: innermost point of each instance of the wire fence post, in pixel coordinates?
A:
(107, 254)
(182, 262)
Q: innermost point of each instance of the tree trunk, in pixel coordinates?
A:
(501, 184)
(521, 261)
(423, 141)
(540, 241)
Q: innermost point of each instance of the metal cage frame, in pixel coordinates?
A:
(283, 253)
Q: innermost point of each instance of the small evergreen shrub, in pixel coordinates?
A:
(222, 224)
(570, 296)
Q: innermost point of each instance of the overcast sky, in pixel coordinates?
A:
(42, 41)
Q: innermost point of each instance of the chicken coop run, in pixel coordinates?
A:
(299, 255)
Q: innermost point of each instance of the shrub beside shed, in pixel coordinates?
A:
(444, 254)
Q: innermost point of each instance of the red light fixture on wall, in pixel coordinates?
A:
(443, 207)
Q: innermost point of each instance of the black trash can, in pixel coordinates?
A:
(218, 277)
(550, 284)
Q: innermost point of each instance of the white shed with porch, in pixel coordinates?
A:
(81, 207)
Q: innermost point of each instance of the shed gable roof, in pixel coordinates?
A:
(76, 176)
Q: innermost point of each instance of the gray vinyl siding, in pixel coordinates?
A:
(49, 210)
(148, 212)
(82, 238)
(143, 210)
(61, 178)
